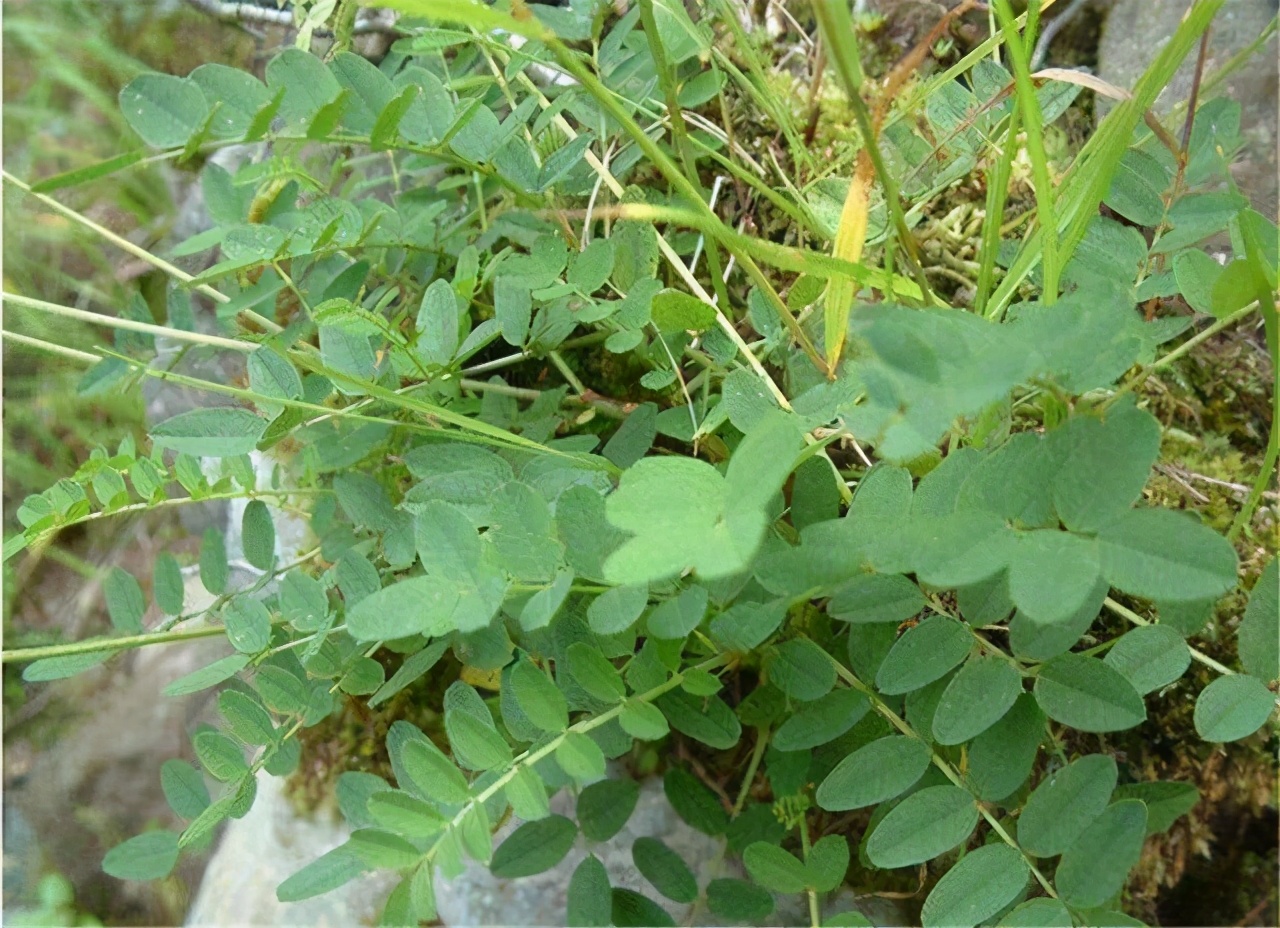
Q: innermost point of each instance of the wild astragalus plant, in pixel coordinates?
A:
(617, 426)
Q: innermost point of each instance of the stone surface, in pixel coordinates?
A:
(271, 843)
(1135, 32)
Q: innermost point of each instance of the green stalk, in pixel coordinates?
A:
(680, 136)
(1031, 117)
(997, 193)
(111, 645)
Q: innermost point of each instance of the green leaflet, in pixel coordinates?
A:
(739, 901)
(1038, 913)
(682, 513)
(220, 432)
(205, 677)
(1104, 465)
(167, 584)
(527, 795)
(163, 110)
(677, 617)
(695, 802)
(184, 788)
(534, 847)
(821, 721)
(1233, 707)
(632, 910)
(246, 718)
(1052, 574)
(1166, 801)
(775, 869)
(1258, 637)
(604, 807)
(419, 606)
(1088, 695)
(707, 719)
(664, 869)
(979, 886)
(404, 814)
(976, 698)
(429, 773)
(878, 771)
(802, 670)
(148, 856)
(580, 757)
(538, 697)
(589, 901)
(1065, 804)
(1149, 657)
(125, 603)
(923, 654)
(827, 862)
(213, 561)
(1097, 864)
(248, 624)
(617, 609)
(476, 745)
(925, 824)
(63, 666)
(1160, 554)
(876, 598)
(593, 672)
(643, 721)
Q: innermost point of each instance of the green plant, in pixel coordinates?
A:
(613, 561)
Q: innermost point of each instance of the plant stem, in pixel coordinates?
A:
(111, 645)
(116, 322)
(1146, 371)
(815, 914)
(136, 250)
(1031, 118)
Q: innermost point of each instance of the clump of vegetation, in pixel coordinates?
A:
(619, 425)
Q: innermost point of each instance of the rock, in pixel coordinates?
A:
(1135, 32)
(260, 851)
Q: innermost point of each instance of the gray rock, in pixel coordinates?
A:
(1135, 32)
(260, 851)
